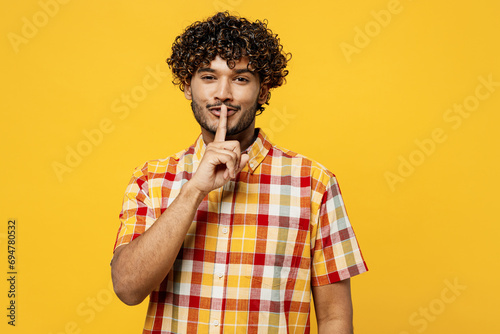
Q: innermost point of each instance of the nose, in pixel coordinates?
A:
(224, 90)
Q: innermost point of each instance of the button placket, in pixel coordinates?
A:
(220, 267)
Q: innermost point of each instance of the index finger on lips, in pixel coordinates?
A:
(220, 134)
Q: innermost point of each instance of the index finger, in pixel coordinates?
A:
(220, 134)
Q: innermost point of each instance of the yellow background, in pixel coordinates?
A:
(358, 114)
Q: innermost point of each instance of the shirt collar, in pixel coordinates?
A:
(257, 151)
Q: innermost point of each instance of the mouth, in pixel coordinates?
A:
(216, 111)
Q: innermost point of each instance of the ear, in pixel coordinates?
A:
(264, 90)
(187, 91)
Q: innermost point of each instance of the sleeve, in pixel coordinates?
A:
(335, 251)
(137, 212)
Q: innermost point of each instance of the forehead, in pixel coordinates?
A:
(219, 64)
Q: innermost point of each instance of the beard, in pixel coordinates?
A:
(245, 121)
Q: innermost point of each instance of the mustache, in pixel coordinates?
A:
(221, 103)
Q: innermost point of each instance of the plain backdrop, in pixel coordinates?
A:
(399, 99)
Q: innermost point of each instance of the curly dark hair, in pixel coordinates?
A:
(231, 38)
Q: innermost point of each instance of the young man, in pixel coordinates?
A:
(234, 233)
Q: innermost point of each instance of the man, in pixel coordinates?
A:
(232, 234)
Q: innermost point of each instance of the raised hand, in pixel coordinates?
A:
(222, 159)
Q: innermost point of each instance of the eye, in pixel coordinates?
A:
(242, 79)
(208, 77)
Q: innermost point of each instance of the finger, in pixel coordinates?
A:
(234, 147)
(220, 134)
(227, 158)
(243, 161)
(218, 152)
(231, 166)
(229, 145)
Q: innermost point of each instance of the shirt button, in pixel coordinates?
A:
(224, 230)
(216, 322)
(251, 165)
(220, 276)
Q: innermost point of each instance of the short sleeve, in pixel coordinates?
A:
(336, 254)
(137, 212)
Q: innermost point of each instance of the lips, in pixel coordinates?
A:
(216, 111)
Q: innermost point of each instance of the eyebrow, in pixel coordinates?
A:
(238, 71)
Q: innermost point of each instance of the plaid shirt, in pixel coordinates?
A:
(255, 247)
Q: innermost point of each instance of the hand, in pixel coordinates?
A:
(222, 159)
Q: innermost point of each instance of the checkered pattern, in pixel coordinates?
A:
(255, 247)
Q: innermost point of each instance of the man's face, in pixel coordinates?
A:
(238, 88)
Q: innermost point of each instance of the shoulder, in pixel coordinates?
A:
(317, 169)
(159, 167)
(319, 178)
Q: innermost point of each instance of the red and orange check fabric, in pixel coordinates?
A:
(255, 247)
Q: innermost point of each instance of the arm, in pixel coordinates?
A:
(140, 266)
(333, 307)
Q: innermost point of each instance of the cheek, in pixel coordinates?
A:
(201, 92)
(248, 96)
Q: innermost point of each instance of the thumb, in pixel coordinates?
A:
(243, 160)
